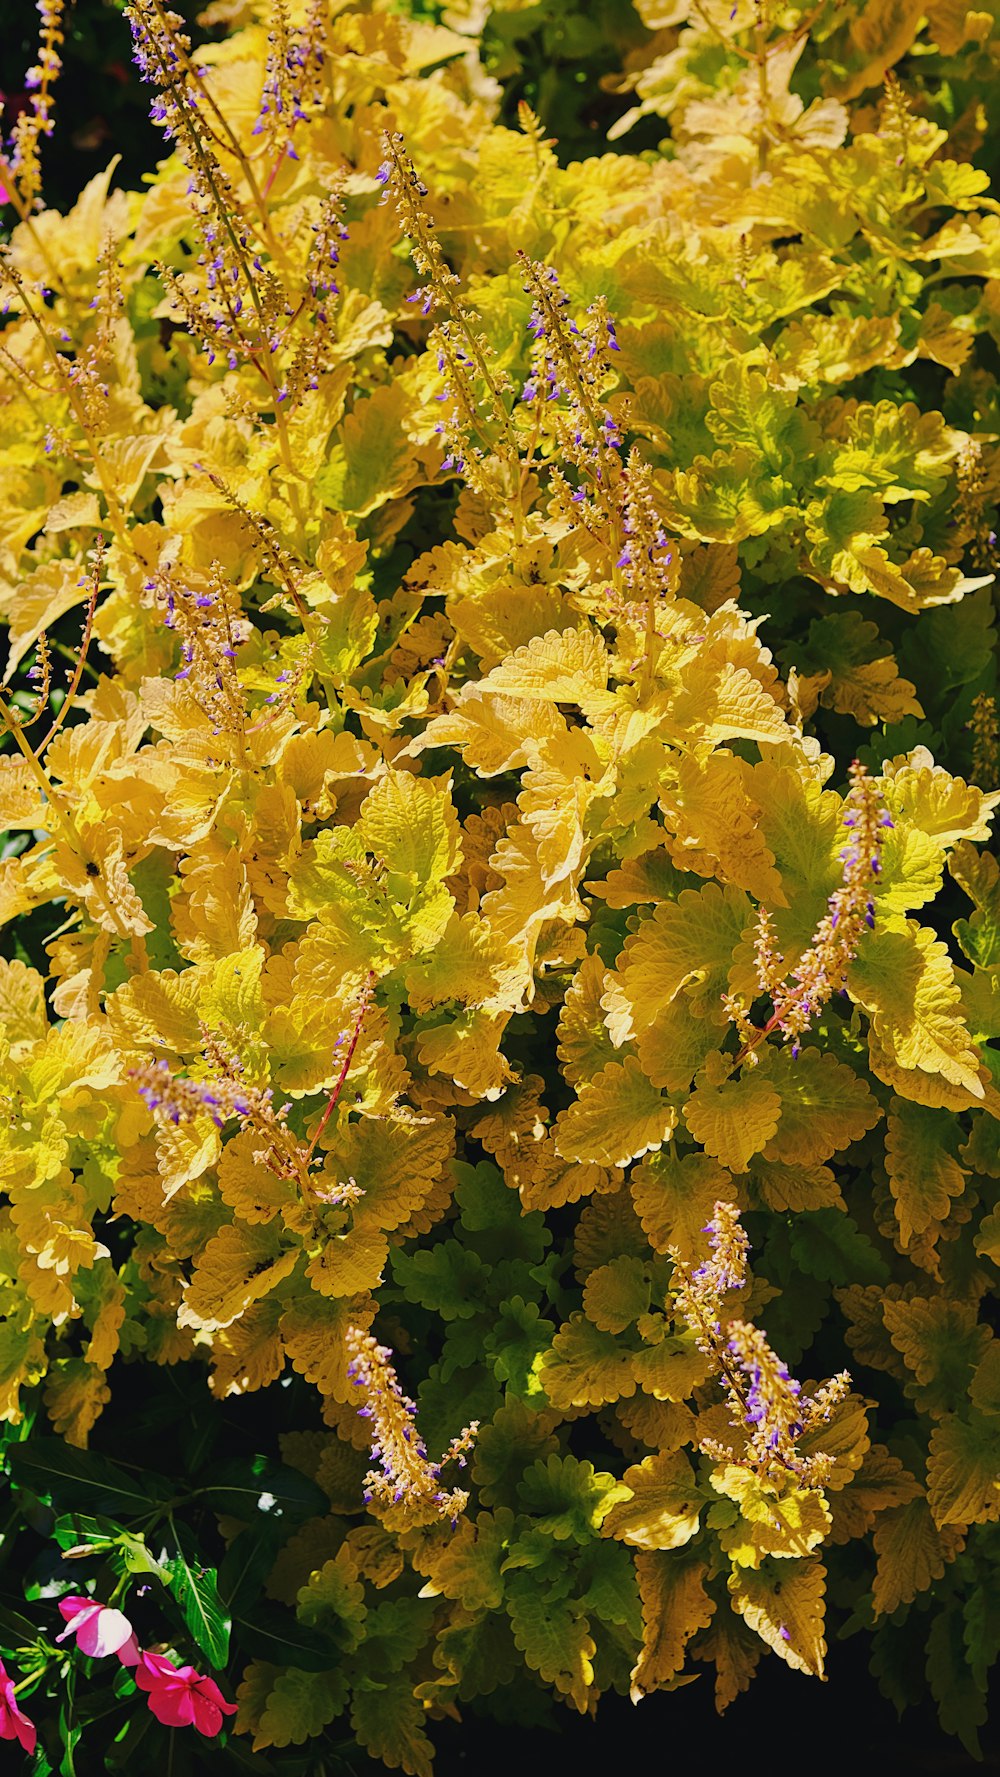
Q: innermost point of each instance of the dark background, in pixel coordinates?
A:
(553, 54)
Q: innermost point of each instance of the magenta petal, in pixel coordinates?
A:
(104, 1634)
(14, 1724)
(173, 1705)
(80, 1621)
(74, 1606)
(130, 1652)
(153, 1670)
(207, 1715)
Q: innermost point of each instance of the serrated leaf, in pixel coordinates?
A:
(830, 1246)
(617, 1115)
(783, 1603)
(736, 1120)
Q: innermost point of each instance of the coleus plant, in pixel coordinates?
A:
(496, 912)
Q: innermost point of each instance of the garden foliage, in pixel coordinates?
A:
(502, 912)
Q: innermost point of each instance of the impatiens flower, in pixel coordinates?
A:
(14, 1724)
(179, 1696)
(99, 1630)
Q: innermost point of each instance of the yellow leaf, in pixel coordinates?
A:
(47, 594)
(251, 1189)
(617, 1115)
(911, 1553)
(464, 1563)
(879, 1484)
(672, 1369)
(736, 1120)
(584, 1042)
(23, 1017)
(924, 1172)
(349, 1263)
(157, 1009)
(389, 1723)
(214, 915)
(789, 1524)
(782, 1602)
(571, 667)
(98, 880)
(675, 1605)
(795, 1187)
(396, 1161)
(963, 1470)
(553, 1635)
(905, 981)
(825, 1106)
(238, 1266)
(585, 1367)
(735, 1653)
(373, 461)
(663, 1512)
(616, 1294)
(410, 824)
(185, 1151)
(493, 732)
(674, 1195)
(248, 1354)
(927, 797)
(685, 945)
(298, 1706)
(75, 1394)
(714, 823)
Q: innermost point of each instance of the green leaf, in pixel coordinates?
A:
(276, 1635)
(66, 1476)
(246, 1565)
(249, 1488)
(204, 1613)
(828, 1245)
(447, 1278)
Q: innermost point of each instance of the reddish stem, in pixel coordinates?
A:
(348, 1058)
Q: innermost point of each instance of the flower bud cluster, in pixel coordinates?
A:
(204, 611)
(476, 429)
(822, 969)
(985, 729)
(233, 302)
(570, 368)
(766, 1403)
(293, 75)
(174, 1099)
(23, 165)
(405, 1473)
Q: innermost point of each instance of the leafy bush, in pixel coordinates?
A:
(506, 853)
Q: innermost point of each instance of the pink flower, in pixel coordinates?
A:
(179, 1696)
(14, 1724)
(99, 1630)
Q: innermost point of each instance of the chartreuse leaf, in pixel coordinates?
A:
(567, 1498)
(553, 1635)
(298, 1706)
(978, 873)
